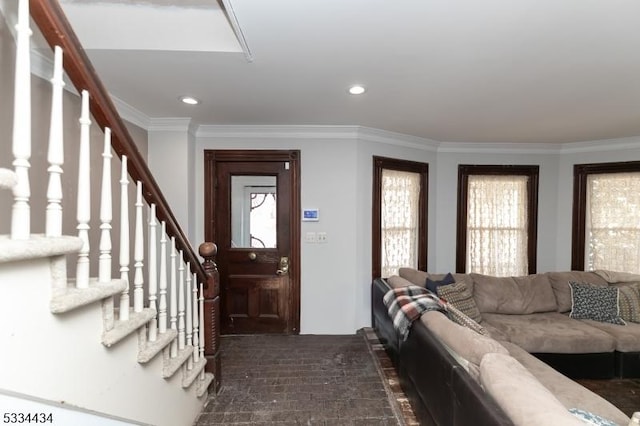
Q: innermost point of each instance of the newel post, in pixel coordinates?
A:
(211, 320)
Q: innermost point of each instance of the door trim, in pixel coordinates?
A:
(211, 158)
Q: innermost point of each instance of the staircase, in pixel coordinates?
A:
(132, 343)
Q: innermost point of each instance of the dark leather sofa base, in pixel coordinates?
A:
(627, 365)
(441, 392)
(581, 366)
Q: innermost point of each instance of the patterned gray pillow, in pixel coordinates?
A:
(595, 303)
(629, 302)
(459, 295)
(460, 318)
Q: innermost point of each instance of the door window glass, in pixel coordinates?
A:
(253, 211)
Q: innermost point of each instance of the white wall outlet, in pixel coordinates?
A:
(322, 237)
(311, 237)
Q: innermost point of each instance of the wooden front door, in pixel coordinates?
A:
(252, 213)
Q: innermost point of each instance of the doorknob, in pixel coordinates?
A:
(283, 267)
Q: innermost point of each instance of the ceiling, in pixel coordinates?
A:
(537, 71)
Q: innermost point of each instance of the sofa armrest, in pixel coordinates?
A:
(445, 389)
(426, 365)
(380, 320)
(470, 400)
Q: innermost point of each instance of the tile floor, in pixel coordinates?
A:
(330, 380)
(623, 393)
(293, 380)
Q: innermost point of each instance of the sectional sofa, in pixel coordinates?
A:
(454, 375)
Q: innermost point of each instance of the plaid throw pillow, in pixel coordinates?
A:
(459, 295)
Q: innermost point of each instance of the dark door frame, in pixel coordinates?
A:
(211, 157)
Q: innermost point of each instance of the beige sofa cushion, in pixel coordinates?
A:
(464, 341)
(513, 295)
(520, 395)
(420, 277)
(551, 332)
(617, 277)
(560, 284)
(626, 337)
(395, 281)
(568, 392)
(413, 275)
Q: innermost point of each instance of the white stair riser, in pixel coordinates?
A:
(60, 358)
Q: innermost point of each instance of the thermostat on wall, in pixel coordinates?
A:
(310, 215)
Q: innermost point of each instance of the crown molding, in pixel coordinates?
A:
(399, 139)
(131, 114)
(315, 132)
(170, 124)
(277, 131)
(498, 148)
(603, 145)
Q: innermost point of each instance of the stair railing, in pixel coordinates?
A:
(57, 31)
(183, 342)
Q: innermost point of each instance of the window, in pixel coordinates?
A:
(497, 219)
(606, 217)
(399, 234)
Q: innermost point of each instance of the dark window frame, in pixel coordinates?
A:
(380, 163)
(580, 174)
(466, 170)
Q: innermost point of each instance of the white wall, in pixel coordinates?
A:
(171, 159)
(336, 177)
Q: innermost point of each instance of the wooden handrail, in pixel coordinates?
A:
(55, 28)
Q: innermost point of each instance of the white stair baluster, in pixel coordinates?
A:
(106, 215)
(162, 308)
(196, 322)
(55, 154)
(106, 206)
(189, 314)
(124, 240)
(201, 306)
(84, 194)
(173, 300)
(138, 254)
(181, 336)
(21, 145)
(153, 273)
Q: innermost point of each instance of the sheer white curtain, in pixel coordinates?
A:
(497, 225)
(613, 222)
(399, 233)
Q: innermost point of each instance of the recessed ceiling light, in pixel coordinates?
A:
(357, 89)
(189, 100)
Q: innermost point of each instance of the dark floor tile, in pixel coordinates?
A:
(623, 393)
(303, 380)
